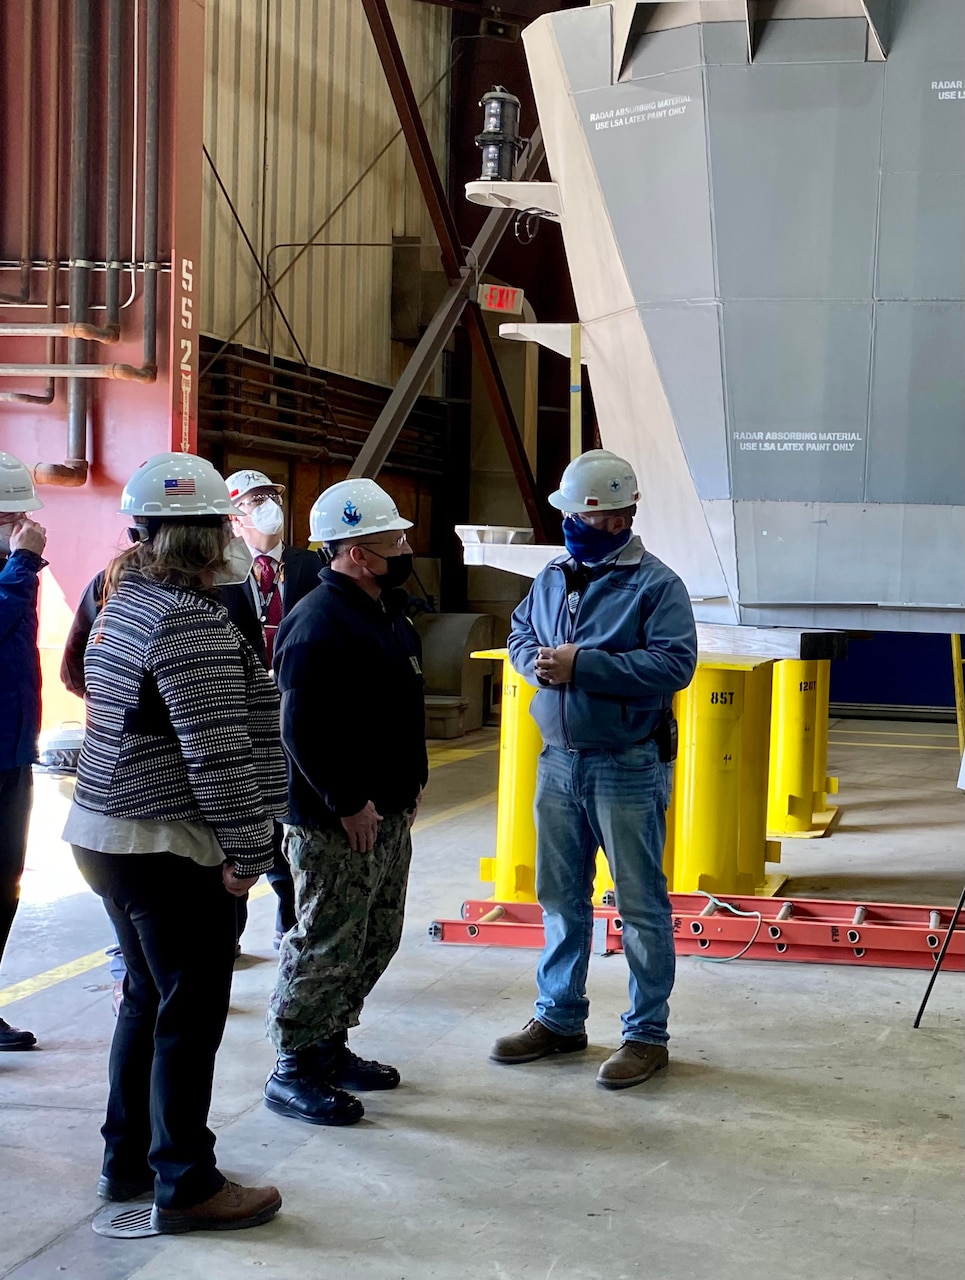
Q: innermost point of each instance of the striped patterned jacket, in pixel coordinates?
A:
(182, 721)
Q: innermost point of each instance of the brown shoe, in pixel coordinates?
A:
(230, 1209)
(634, 1062)
(536, 1040)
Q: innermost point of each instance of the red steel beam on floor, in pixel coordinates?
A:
(803, 930)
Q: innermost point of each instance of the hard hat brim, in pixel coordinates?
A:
(275, 488)
(569, 505)
(31, 504)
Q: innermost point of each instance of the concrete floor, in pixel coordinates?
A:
(803, 1131)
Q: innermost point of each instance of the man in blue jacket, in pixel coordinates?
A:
(607, 634)
(22, 541)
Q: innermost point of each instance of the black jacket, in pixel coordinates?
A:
(301, 569)
(349, 669)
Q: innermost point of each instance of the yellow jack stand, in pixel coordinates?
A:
(823, 785)
(514, 867)
(718, 810)
(797, 805)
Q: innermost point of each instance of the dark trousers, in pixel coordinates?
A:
(15, 791)
(175, 923)
(350, 913)
(280, 879)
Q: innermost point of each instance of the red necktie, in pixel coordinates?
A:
(270, 601)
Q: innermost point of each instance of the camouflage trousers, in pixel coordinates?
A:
(349, 909)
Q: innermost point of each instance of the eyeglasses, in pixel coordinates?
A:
(395, 545)
(593, 519)
(250, 500)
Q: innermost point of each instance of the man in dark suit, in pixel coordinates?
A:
(280, 577)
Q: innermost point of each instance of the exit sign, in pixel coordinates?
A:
(500, 297)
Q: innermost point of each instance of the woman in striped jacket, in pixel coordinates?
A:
(179, 780)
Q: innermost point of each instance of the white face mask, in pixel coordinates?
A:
(237, 564)
(267, 518)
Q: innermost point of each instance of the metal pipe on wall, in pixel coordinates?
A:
(26, 158)
(112, 282)
(53, 208)
(72, 372)
(74, 470)
(53, 181)
(27, 155)
(152, 109)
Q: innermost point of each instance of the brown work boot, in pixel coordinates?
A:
(634, 1062)
(230, 1209)
(536, 1040)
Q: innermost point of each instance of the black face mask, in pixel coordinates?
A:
(397, 569)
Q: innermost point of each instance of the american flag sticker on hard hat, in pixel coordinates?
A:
(182, 488)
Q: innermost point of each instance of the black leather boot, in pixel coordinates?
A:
(296, 1089)
(342, 1067)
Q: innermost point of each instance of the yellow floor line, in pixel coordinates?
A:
(31, 986)
(894, 733)
(891, 746)
(452, 755)
(456, 811)
(73, 968)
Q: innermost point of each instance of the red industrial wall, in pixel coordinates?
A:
(127, 421)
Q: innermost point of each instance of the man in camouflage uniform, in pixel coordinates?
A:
(348, 664)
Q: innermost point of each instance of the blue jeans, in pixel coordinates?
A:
(616, 800)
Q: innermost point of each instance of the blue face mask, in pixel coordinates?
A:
(588, 545)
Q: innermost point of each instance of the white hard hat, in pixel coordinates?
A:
(17, 491)
(351, 508)
(596, 481)
(175, 486)
(241, 482)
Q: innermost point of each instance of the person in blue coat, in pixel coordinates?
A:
(607, 635)
(22, 542)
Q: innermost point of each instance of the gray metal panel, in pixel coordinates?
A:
(924, 121)
(652, 168)
(660, 51)
(917, 451)
(585, 42)
(860, 555)
(921, 237)
(725, 43)
(685, 341)
(797, 377)
(794, 157)
(923, 28)
(811, 40)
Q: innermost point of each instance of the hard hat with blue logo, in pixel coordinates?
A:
(596, 481)
(352, 508)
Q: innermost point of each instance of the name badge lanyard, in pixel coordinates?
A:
(265, 602)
